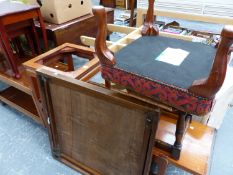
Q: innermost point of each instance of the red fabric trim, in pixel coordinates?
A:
(170, 95)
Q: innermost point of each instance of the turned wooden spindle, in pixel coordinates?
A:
(149, 28)
(208, 87)
(102, 51)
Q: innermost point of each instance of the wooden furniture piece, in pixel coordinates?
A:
(60, 59)
(97, 131)
(197, 148)
(190, 88)
(71, 31)
(27, 88)
(108, 3)
(225, 94)
(194, 159)
(13, 17)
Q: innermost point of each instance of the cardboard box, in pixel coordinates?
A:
(60, 11)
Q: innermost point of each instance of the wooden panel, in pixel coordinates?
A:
(96, 130)
(101, 135)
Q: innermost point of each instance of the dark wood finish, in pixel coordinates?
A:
(118, 142)
(181, 128)
(132, 6)
(14, 14)
(149, 28)
(105, 55)
(70, 32)
(209, 86)
(108, 3)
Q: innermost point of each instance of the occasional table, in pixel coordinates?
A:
(18, 16)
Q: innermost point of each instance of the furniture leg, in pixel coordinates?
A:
(8, 50)
(161, 163)
(131, 21)
(42, 26)
(36, 37)
(69, 61)
(18, 46)
(181, 128)
(30, 42)
(107, 84)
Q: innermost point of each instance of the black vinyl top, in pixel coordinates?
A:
(139, 57)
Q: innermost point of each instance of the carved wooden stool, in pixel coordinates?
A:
(189, 85)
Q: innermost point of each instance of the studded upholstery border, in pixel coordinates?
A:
(172, 96)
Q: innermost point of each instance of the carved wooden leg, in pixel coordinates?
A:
(149, 28)
(161, 163)
(181, 128)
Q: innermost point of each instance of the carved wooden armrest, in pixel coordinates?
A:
(208, 87)
(148, 27)
(105, 55)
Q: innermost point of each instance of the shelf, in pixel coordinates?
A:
(21, 84)
(20, 101)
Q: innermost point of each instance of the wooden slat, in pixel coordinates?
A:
(186, 16)
(120, 29)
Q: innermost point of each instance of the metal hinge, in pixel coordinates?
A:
(149, 119)
(48, 120)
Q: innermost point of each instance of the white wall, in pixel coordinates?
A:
(211, 7)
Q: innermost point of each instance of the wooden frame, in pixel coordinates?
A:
(52, 57)
(50, 82)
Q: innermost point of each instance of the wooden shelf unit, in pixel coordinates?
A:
(21, 101)
(21, 84)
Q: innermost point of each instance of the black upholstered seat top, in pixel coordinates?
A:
(139, 57)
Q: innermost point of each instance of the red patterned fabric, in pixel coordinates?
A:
(173, 96)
